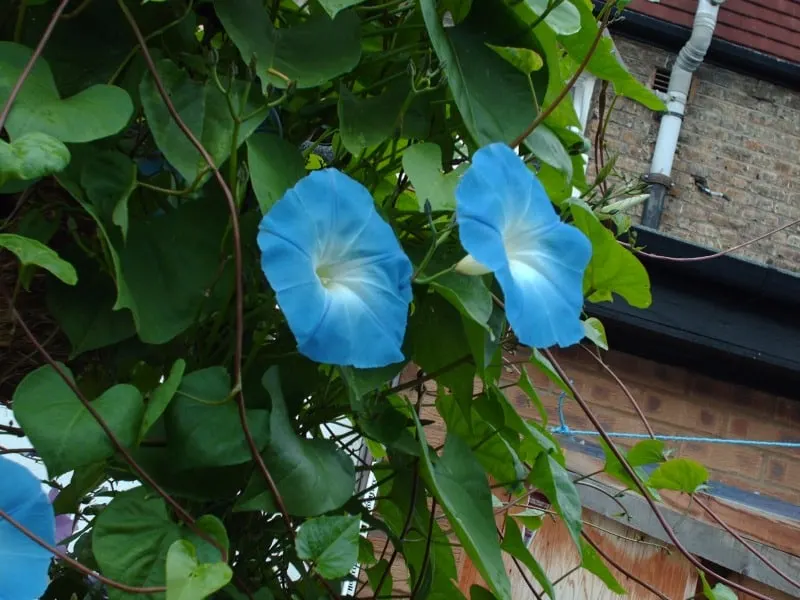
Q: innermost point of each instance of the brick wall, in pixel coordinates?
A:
(678, 402)
(740, 133)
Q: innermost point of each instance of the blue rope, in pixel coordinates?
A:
(564, 429)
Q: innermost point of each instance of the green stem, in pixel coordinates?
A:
(20, 24)
(431, 251)
(147, 38)
(387, 30)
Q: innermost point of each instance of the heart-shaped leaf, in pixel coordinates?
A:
(679, 474)
(423, 165)
(204, 109)
(187, 579)
(459, 483)
(331, 543)
(130, 540)
(63, 431)
(275, 166)
(96, 112)
(203, 426)
(31, 252)
(31, 156)
(312, 476)
(307, 55)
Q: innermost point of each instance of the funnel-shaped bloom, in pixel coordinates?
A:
(509, 227)
(23, 563)
(338, 272)
(65, 524)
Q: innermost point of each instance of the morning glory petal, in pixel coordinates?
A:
(508, 224)
(338, 272)
(23, 563)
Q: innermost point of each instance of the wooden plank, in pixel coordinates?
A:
(699, 536)
(554, 549)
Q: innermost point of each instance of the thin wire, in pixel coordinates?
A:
(565, 429)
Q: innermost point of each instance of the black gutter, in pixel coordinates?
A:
(672, 37)
(727, 318)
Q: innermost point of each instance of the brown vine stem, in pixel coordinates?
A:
(37, 52)
(126, 455)
(238, 266)
(743, 541)
(619, 568)
(690, 259)
(75, 564)
(571, 83)
(624, 389)
(640, 485)
(237, 252)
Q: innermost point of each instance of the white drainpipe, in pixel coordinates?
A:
(689, 59)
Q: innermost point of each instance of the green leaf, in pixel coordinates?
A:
(332, 7)
(366, 122)
(32, 252)
(491, 449)
(31, 156)
(549, 476)
(459, 483)
(109, 179)
(468, 294)
(63, 431)
(374, 576)
(84, 311)
(308, 55)
(330, 543)
(312, 475)
(275, 166)
(162, 396)
(168, 265)
(679, 474)
(524, 383)
(477, 592)
(203, 426)
(564, 19)
(523, 59)
(646, 452)
(531, 518)
(613, 269)
(94, 113)
(130, 541)
(595, 331)
(546, 367)
(187, 579)
(616, 469)
(438, 343)
(718, 592)
(604, 62)
(423, 165)
(493, 97)
(484, 343)
(84, 480)
(592, 562)
(547, 147)
(214, 529)
(394, 506)
(513, 544)
(495, 407)
(204, 110)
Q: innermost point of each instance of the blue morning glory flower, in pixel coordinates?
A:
(338, 271)
(509, 227)
(23, 563)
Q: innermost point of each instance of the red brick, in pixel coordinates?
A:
(740, 460)
(783, 472)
